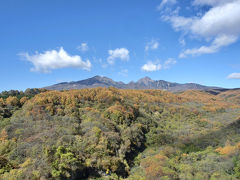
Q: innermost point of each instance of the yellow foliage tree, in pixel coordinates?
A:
(23, 100)
(12, 100)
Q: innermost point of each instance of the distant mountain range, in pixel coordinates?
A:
(144, 83)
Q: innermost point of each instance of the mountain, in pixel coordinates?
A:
(96, 81)
(143, 83)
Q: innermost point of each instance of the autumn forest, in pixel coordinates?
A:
(108, 133)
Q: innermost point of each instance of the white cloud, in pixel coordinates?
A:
(219, 20)
(165, 2)
(53, 59)
(83, 47)
(156, 66)
(214, 47)
(222, 21)
(119, 53)
(169, 63)
(211, 2)
(152, 45)
(151, 66)
(179, 23)
(234, 76)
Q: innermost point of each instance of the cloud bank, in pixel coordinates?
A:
(219, 26)
(53, 59)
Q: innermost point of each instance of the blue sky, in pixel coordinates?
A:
(44, 42)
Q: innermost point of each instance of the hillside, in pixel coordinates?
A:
(144, 83)
(110, 133)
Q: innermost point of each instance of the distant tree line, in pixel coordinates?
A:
(30, 92)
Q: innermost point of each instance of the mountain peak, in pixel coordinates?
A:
(145, 80)
(101, 78)
(97, 77)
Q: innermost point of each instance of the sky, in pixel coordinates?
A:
(44, 42)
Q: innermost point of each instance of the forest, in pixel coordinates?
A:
(109, 133)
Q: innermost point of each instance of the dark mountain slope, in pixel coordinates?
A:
(96, 81)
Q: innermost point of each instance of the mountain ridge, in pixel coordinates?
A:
(143, 83)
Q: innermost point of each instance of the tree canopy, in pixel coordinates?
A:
(108, 133)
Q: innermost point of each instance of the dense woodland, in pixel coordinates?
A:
(107, 133)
